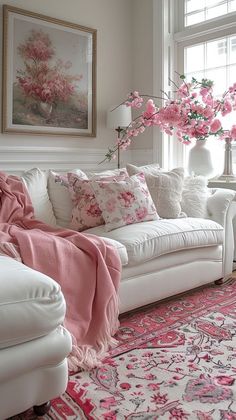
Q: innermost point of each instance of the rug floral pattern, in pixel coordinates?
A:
(175, 360)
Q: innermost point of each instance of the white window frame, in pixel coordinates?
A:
(185, 36)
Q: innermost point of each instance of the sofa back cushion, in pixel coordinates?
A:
(35, 181)
(58, 190)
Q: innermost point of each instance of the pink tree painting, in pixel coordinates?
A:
(45, 92)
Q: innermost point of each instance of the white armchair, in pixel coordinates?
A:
(33, 343)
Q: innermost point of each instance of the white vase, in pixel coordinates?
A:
(45, 109)
(200, 160)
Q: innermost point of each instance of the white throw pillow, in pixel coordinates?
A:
(107, 173)
(166, 191)
(152, 168)
(124, 202)
(58, 190)
(35, 181)
(194, 196)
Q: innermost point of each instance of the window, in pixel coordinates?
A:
(207, 49)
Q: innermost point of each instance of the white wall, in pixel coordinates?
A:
(113, 21)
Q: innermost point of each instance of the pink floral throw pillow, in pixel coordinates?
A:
(125, 202)
(85, 209)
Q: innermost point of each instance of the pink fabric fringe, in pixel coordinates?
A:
(87, 269)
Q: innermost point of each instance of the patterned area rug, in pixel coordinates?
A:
(174, 360)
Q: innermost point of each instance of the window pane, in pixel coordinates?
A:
(195, 58)
(197, 11)
(232, 75)
(193, 5)
(216, 52)
(199, 75)
(219, 78)
(216, 11)
(232, 6)
(232, 50)
(194, 18)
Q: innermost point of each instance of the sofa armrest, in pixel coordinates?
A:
(221, 206)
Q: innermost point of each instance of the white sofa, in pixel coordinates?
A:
(160, 258)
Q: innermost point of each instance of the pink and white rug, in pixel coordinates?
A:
(175, 360)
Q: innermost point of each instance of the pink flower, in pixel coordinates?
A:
(233, 132)
(108, 402)
(154, 387)
(232, 89)
(227, 107)
(134, 100)
(183, 90)
(141, 213)
(170, 114)
(159, 399)
(126, 198)
(111, 415)
(125, 385)
(151, 109)
(129, 219)
(215, 126)
(150, 376)
(130, 366)
(111, 205)
(224, 380)
(178, 414)
(94, 210)
(204, 91)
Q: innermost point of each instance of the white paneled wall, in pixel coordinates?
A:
(17, 159)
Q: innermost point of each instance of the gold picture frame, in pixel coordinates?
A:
(49, 75)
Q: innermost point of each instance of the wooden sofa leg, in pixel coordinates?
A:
(219, 282)
(42, 409)
(223, 280)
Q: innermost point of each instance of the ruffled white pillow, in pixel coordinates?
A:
(194, 196)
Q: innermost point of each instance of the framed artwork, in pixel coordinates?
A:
(49, 75)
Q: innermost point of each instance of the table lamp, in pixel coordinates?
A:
(118, 118)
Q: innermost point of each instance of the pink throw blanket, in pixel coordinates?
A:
(87, 269)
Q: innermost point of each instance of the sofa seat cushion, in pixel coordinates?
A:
(120, 248)
(147, 240)
(31, 303)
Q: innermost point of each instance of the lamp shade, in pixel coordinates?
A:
(119, 117)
